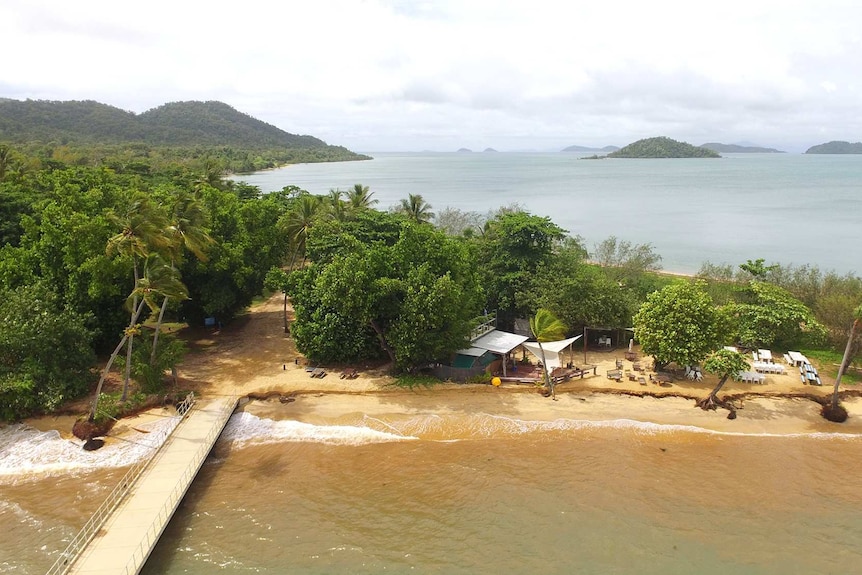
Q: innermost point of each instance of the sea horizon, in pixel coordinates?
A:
(792, 209)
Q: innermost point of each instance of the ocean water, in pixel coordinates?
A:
(469, 492)
(787, 208)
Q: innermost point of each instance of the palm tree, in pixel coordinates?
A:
(298, 223)
(416, 209)
(142, 232)
(834, 412)
(158, 279)
(546, 327)
(336, 208)
(359, 197)
(186, 231)
(725, 363)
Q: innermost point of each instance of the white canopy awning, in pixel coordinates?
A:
(501, 342)
(552, 350)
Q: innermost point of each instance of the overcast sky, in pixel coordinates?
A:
(397, 75)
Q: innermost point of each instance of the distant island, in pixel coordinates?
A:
(464, 150)
(737, 149)
(176, 124)
(836, 147)
(662, 147)
(489, 150)
(589, 149)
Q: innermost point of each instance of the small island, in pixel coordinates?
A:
(836, 147)
(464, 150)
(662, 147)
(489, 150)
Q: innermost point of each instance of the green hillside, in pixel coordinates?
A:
(737, 149)
(177, 124)
(836, 147)
(662, 147)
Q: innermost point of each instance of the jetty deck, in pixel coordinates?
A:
(133, 528)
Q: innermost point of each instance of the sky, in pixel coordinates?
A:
(400, 75)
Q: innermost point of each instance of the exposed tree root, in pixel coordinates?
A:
(835, 414)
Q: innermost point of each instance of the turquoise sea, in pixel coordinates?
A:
(787, 208)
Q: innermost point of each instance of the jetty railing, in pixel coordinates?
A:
(98, 518)
(154, 531)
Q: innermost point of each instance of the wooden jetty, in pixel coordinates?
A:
(119, 538)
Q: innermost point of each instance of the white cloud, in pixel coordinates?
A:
(398, 74)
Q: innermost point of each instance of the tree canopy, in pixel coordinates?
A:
(410, 301)
(679, 324)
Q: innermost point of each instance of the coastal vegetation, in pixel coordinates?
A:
(97, 258)
(662, 147)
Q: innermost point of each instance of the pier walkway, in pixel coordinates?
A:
(132, 528)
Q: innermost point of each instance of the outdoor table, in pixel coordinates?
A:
(765, 355)
(797, 358)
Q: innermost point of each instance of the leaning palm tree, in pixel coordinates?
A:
(359, 197)
(185, 232)
(142, 232)
(416, 209)
(546, 327)
(158, 279)
(834, 412)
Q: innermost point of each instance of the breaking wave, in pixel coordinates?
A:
(248, 429)
(25, 451)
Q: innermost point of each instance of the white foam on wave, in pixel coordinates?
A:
(485, 425)
(246, 428)
(27, 452)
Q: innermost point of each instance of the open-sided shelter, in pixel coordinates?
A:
(554, 350)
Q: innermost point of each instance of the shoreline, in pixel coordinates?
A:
(255, 359)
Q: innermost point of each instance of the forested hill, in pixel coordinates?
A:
(662, 147)
(173, 124)
(737, 149)
(836, 147)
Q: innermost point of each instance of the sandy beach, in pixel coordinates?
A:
(253, 356)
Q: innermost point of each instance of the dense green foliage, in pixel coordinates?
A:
(662, 147)
(768, 316)
(836, 147)
(45, 352)
(411, 301)
(679, 324)
(77, 235)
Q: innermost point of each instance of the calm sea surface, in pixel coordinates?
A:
(476, 493)
(787, 208)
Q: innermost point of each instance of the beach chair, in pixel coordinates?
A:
(642, 380)
(619, 363)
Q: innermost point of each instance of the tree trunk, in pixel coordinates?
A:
(844, 362)
(110, 363)
(158, 328)
(383, 343)
(714, 393)
(284, 311)
(135, 312)
(548, 381)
